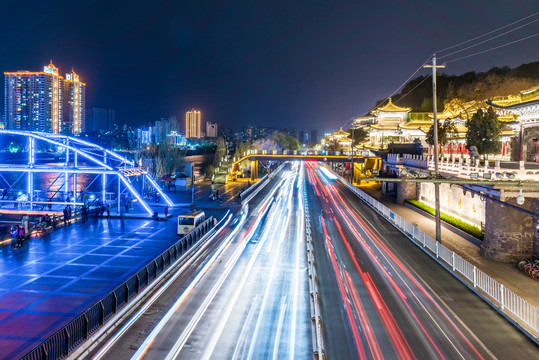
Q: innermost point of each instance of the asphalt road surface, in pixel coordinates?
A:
(382, 297)
(243, 296)
(244, 293)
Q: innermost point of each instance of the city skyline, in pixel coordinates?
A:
(242, 69)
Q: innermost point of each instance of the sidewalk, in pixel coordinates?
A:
(506, 273)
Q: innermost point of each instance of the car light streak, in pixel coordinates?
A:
(154, 297)
(242, 244)
(176, 349)
(385, 251)
(390, 324)
(363, 318)
(357, 339)
(394, 261)
(141, 351)
(233, 300)
(299, 239)
(327, 173)
(269, 283)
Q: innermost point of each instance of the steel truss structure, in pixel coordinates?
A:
(81, 157)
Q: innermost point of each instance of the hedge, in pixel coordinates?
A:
(464, 226)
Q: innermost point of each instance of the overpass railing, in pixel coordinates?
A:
(364, 153)
(507, 302)
(74, 333)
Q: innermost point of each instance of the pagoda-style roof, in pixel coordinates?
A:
(390, 107)
(423, 125)
(458, 108)
(508, 118)
(341, 132)
(384, 127)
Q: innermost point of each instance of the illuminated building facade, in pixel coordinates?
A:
(193, 124)
(74, 105)
(211, 129)
(36, 101)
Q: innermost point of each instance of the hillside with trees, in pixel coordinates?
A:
(469, 86)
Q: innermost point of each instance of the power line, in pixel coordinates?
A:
(493, 48)
(489, 39)
(488, 33)
(415, 87)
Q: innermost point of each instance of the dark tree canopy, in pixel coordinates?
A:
(484, 132)
(359, 135)
(444, 130)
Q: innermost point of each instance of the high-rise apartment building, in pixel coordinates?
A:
(74, 101)
(44, 101)
(193, 124)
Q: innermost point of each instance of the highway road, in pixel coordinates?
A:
(382, 297)
(244, 295)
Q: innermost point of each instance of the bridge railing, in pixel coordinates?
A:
(467, 166)
(70, 336)
(507, 302)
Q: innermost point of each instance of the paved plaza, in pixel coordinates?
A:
(53, 278)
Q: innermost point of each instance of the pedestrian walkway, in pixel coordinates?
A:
(506, 273)
(55, 277)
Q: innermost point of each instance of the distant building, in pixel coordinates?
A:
(301, 137)
(175, 139)
(211, 129)
(99, 119)
(34, 100)
(314, 136)
(193, 124)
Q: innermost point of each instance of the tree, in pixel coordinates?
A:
(444, 129)
(484, 132)
(359, 135)
(220, 152)
(286, 141)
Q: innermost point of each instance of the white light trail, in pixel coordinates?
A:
(155, 296)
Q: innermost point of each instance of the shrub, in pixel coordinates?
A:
(464, 226)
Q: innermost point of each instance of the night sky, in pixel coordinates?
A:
(309, 64)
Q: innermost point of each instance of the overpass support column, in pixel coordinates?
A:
(510, 235)
(254, 170)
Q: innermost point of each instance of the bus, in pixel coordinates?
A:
(188, 222)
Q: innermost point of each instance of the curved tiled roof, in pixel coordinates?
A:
(390, 107)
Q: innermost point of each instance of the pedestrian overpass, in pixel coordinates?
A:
(65, 159)
(364, 163)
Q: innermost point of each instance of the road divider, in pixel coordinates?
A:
(318, 340)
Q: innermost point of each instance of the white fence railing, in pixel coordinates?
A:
(510, 303)
(464, 166)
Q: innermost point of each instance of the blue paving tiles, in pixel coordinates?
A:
(52, 279)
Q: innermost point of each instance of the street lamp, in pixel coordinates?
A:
(520, 198)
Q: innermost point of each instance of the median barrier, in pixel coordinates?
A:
(74, 333)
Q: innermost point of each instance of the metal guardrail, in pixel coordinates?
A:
(71, 335)
(497, 295)
(248, 194)
(318, 341)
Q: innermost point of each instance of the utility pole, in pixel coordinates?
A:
(436, 171)
(352, 163)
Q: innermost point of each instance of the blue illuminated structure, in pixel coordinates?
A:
(97, 160)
